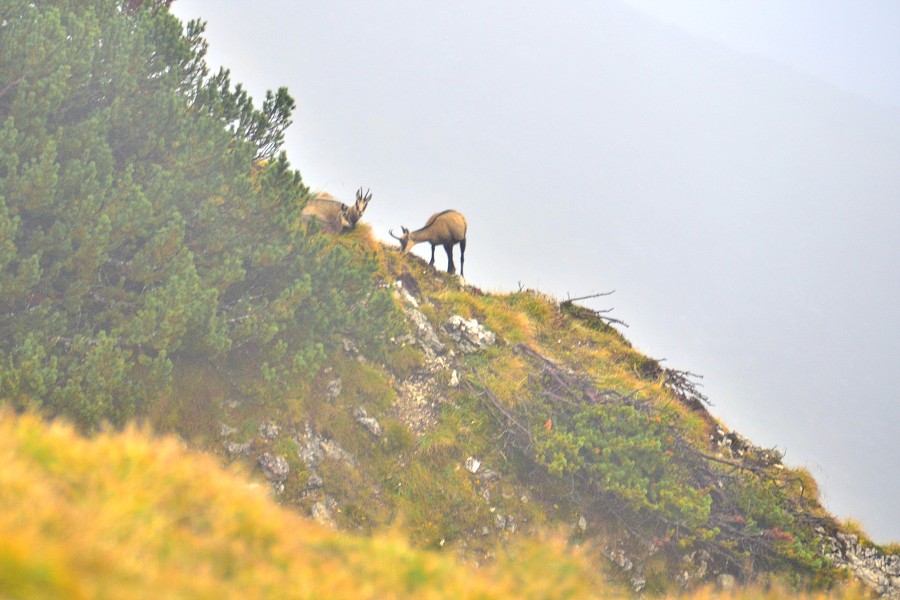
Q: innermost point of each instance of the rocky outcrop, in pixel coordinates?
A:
(274, 466)
(269, 430)
(420, 395)
(423, 334)
(313, 447)
(322, 512)
(333, 389)
(469, 335)
(238, 448)
(369, 423)
(878, 571)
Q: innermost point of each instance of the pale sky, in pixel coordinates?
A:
(854, 45)
(729, 168)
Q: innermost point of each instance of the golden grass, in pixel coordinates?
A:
(124, 515)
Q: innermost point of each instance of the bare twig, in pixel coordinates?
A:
(588, 297)
(679, 382)
(596, 313)
(496, 406)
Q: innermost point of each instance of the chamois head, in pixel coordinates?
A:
(362, 201)
(405, 246)
(354, 213)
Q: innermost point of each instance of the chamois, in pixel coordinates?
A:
(446, 229)
(335, 216)
(355, 212)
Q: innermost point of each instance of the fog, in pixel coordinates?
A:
(744, 210)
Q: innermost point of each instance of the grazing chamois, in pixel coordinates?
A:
(445, 229)
(335, 216)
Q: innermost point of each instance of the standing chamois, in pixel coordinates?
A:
(335, 216)
(445, 229)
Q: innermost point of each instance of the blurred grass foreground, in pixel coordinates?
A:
(124, 515)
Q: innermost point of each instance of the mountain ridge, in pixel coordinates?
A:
(435, 446)
(440, 377)
(155, 267)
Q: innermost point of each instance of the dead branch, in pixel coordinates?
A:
(588, 297)
(496, 406)
(679, 382)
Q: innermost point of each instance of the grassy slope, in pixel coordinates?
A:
(127, 515)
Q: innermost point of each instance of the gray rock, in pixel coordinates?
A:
(370, 423)
(334, 451)
(323, 511)
(310, 453)
(469, 334)
(274, 466)
(235, 449)
(454, 379)
(309, 450)
(312, 448)
(419, 397)
(226, 430)
(619, 558)
(489, 475)
(350, 347)
(314, 481)
(878, 571)
(333, 389)
(725, 582)
(695, 566)
(269, 430)
(424, 333)
(404, 295)
(472, 465)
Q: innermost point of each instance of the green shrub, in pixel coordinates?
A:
(146, 217)
(626, 452)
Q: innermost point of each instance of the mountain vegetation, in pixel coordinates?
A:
(147, 218)
(154, 269)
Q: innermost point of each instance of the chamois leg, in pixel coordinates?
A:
(462, 256)
(431, 264)
(451, 268)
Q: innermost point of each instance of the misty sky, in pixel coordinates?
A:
(730, 169)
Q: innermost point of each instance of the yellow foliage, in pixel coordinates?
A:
(126, 515)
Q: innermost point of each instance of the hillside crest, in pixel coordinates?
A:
(495, 417)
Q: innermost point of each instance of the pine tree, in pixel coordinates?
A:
(146, 214)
